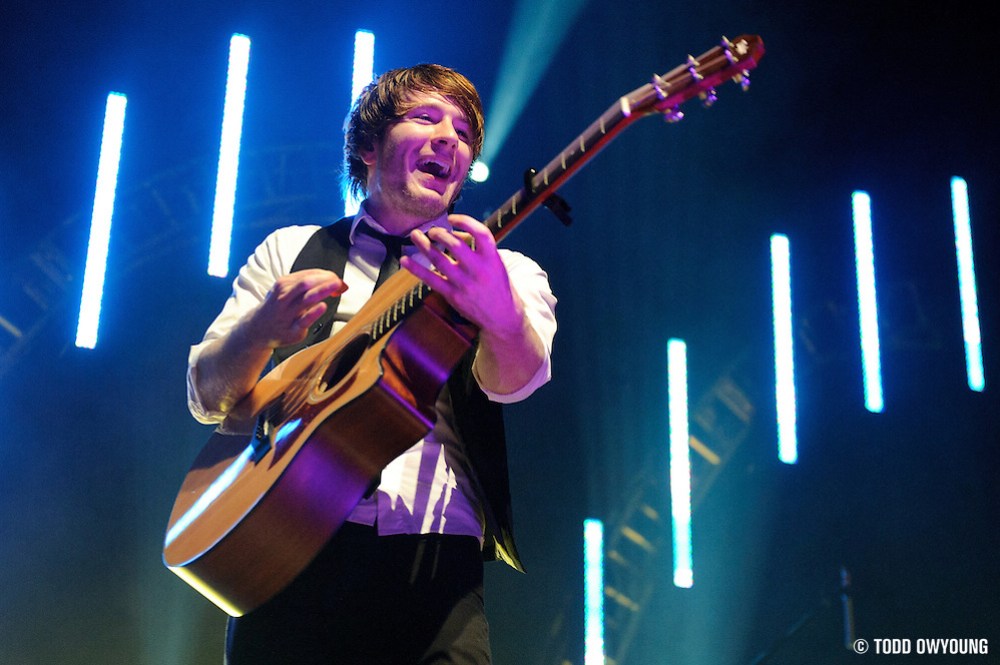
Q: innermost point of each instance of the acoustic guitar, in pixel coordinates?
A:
(280, 475)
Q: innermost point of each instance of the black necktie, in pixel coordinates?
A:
(390, 264)
(393, 251)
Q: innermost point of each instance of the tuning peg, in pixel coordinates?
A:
(708, 98)
(743, 78)
(660, 86)
(693, 69)
(673, 115)
(727, 48)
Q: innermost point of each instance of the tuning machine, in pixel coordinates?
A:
(660, 86)
(692, 67)
(673, 115)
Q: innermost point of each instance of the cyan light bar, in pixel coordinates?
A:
(680, 462)
(967, 285)
(784, 363)
(864, 259)
(364, 62)
(593, 574)
(229, 155)
(362, 74)
(100, 222)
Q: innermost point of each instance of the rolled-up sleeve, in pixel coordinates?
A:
(532, 286)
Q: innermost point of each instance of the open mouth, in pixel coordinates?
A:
(434, 168)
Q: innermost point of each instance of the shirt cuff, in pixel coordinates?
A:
(541, 377)
(195, 404)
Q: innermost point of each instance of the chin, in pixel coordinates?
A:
(425, 205)
(433, 198)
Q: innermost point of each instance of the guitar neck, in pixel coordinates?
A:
(539, 186)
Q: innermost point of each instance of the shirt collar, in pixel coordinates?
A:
(363, 217)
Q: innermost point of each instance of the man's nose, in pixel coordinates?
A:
(445, 133)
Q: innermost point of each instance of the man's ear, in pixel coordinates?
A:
(367, 155)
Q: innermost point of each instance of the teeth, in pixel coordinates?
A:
(434, 168)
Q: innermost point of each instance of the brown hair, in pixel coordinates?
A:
(385, 100)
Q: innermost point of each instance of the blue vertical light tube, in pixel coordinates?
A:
(593, 574)
(784, 359)
(864, 259)
(100, 222)
(363, 71)
(680, 463)
(971, 332)
(229, 155)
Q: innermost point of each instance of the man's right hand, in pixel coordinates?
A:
(293, 304)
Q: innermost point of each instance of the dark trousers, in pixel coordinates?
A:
(370, 600)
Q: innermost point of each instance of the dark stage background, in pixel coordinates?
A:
(670, 240)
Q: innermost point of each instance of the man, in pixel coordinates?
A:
(401, 581)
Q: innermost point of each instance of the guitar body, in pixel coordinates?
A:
(250, 517)
(296, 455)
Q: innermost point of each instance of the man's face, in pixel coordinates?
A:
(417, 168)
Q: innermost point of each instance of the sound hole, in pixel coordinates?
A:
(342, 364)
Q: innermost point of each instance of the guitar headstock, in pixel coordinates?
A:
(698, 77)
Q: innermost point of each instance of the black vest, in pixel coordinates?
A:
(478, 421)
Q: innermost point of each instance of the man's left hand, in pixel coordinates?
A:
(470, 276)
(469, 273)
